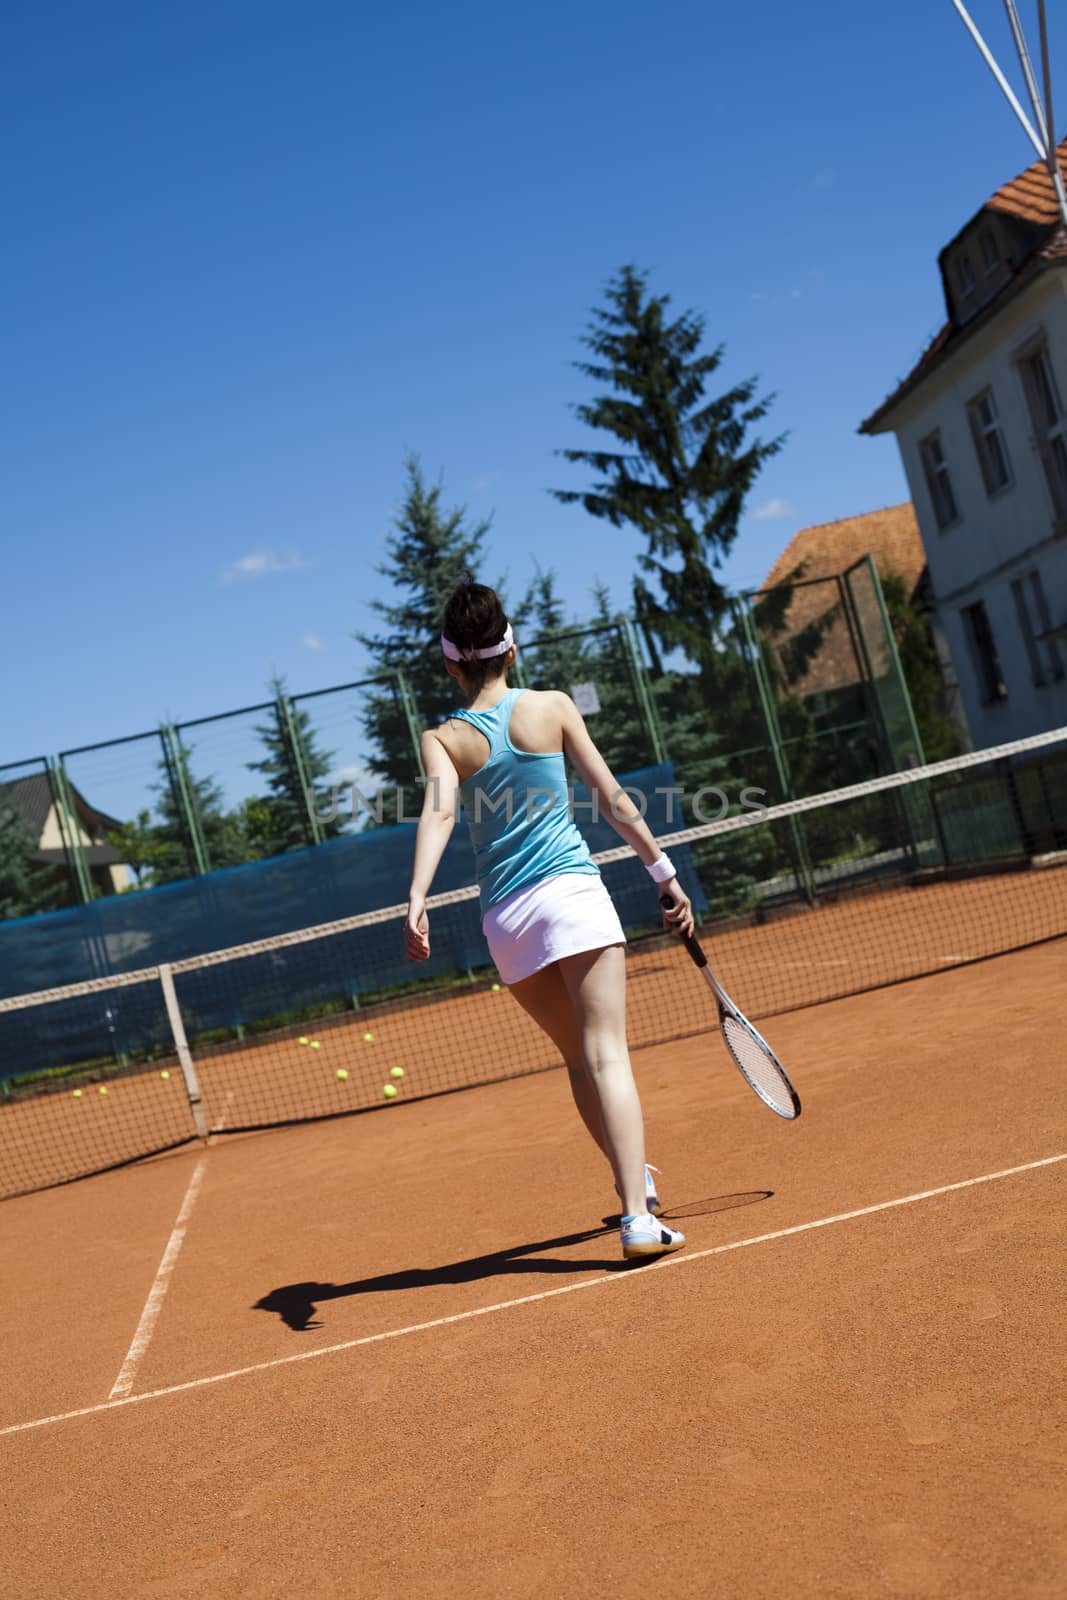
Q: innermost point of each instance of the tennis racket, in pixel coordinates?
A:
(757, 1062)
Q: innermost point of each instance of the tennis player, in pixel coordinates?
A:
(552, 929)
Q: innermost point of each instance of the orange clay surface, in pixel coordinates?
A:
(441, 1040)
(873, 1407)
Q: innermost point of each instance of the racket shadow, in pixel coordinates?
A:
(707, 1208)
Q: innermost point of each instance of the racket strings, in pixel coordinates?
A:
(759, 1067)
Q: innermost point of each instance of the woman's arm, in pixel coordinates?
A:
(616, 806)
(438, 818)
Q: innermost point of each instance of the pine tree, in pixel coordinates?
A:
(26, 884)
(686, 464)
(278, 821)
(141, 848)
(224, 843)
(941, 736)
(426, 557)
(548, 660)
(680, 478)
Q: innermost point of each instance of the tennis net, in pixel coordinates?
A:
(823, 897)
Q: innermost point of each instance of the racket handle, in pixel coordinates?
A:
(692, 944)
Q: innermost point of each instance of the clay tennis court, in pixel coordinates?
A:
(398, 1354)
(445, 1038)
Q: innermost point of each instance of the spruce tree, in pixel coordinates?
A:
(549, 661)
(941, 735)
(278, 821)
(224, 843)
(26, 884)
(686, 463)
(677, 467)
(427, 555)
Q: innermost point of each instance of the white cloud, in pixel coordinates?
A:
(260, 562)
(772, 509)
(312, 641)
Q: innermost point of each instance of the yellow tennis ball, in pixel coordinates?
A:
(496, 988)
(315, 1044)
(389, 1091)
(396, 1072)
(76, 1093)
(102, 1089)
(342, 1074)
(164, 1074)
(302, 1039)
(368, 1038)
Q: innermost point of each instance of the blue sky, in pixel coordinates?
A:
(254, 253)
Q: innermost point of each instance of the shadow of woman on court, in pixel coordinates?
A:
(296, 1303)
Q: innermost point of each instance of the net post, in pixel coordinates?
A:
(294, 748)
(181, 1046)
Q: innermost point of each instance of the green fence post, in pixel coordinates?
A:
(896, 671)
(70, 832)
(411, 716)
(645, 698)
(765, 694)
(183, 796)
(518, 672)
(294, 746)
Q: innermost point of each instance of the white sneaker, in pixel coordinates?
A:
(645, 1236)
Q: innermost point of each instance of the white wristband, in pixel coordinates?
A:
(660, 871)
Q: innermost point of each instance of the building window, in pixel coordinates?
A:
(1031, 608)
(989, 442)
(965, 276)
(990, 251)
(938, 481)
(984, 653)
(1046, 414)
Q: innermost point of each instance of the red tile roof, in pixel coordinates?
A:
(1031, 198)
(891, 536)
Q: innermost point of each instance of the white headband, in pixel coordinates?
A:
(454, 653)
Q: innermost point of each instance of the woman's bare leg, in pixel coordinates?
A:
(544, 997)
(596, 984)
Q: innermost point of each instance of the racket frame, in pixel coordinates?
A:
(727, 1008)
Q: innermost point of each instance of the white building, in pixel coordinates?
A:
(981, 424)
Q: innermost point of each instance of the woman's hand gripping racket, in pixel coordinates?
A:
(759, 1065)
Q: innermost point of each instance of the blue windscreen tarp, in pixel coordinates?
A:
(342, 878)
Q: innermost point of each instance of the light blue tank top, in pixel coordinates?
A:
(517, 811)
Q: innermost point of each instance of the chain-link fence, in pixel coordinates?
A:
(801, 691)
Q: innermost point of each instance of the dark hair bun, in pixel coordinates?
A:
(474, 617)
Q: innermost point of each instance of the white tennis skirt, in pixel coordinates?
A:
(561, 916)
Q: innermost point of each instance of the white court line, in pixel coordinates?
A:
(154, 1304)
(641, 1276)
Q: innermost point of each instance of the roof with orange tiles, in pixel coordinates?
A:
(891, 535)
(1031, 198)
(1031, 195)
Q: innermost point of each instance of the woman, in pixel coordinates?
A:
(552, 930)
